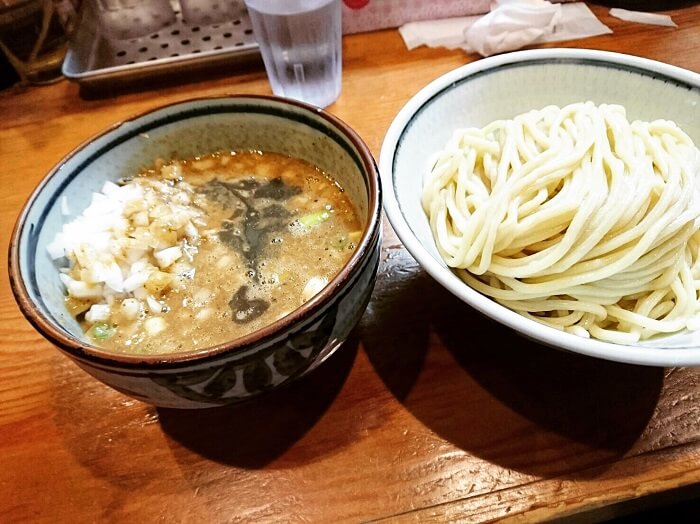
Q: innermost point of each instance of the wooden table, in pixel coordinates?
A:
(413, 420)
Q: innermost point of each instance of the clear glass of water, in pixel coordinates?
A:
(300, 42)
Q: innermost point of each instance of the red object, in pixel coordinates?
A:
(356, 4)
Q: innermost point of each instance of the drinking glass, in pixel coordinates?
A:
(300, 42)
(34, 39)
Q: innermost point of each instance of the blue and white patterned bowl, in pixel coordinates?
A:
(245, 367)
(503, 87)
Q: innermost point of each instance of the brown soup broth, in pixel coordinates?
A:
(277, 229)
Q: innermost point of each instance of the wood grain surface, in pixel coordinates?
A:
(416, 419)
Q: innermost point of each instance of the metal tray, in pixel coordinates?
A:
(96, 60)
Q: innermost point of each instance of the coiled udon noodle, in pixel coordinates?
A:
(574, 217)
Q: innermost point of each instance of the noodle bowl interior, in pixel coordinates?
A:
(574, 217)
(198, 252)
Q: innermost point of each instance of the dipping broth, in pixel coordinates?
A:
(202, 251)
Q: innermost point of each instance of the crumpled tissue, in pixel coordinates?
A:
(510, 25)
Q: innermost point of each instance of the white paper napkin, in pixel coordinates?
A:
(510, 25)
(642, 18)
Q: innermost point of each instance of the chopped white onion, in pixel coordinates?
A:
(80, 289)
(155, 325)
(153, 305)
(116, 243)
(57, 248)
(134, 281)
(313, 287)
(109, 188)
(131, 308)
(98, 313)
(166, 257)
(203, 314)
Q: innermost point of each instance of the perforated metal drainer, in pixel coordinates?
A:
(182, 38)
(96, 55)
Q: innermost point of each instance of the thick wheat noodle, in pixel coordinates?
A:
(575, 218)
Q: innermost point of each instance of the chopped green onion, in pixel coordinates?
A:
(102, 331)
(315, 218)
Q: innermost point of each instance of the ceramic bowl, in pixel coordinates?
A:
(247, 366)
(503, 87)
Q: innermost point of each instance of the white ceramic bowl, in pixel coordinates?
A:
(503, 87)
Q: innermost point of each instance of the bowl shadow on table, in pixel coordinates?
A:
(254, 433)
(495, 394)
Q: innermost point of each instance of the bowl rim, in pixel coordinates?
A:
(94, 355)
(650, 356)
